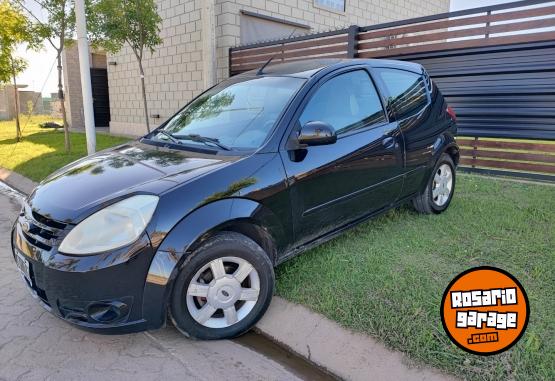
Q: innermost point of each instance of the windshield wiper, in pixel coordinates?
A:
(170, 136)
(202, 139)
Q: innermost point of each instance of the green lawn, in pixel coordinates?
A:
(42, 150)
(386, 277)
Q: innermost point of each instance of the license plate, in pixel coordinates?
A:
(24, 267)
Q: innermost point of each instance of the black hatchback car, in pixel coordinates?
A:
(189, 221)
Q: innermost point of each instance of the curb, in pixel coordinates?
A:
(343, 353)
(348, 355)
(17, 181)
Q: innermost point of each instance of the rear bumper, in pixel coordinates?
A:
(102, 293)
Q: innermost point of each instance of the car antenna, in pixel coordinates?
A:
(261, 70)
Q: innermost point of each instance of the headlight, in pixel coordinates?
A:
(113, 227)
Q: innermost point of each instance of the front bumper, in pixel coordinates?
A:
(103, 293)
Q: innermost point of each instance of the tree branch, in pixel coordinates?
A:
(48, 38)
(42, 5)
(22, 4)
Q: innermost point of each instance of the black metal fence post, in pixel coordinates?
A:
(488, 24)
(352, 41)
(229, 61)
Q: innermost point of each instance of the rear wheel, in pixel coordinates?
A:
(438, 193)
(224, 289)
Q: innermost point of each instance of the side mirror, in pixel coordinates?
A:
(316, 134)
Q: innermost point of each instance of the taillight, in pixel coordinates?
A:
(451, 113)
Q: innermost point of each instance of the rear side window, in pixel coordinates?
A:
(428, 82)
(348, 102)
(407, 91)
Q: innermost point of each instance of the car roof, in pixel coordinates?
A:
(308, 68)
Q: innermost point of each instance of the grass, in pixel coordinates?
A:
(42, 150)
(386, 277)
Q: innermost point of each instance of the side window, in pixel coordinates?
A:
(428, 80)
(347, 102)
(407, 91)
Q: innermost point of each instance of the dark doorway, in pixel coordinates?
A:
(101, 98)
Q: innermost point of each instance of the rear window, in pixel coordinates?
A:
(407, 91)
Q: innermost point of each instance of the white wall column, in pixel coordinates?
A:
(208, 17)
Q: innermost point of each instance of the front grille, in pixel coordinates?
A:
(39, 230)
(41, 245)
(48, 222)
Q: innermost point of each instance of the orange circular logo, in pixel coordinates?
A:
(485, 310)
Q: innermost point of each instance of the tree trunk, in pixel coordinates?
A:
(16, 102)
(62, 103)
(144, 93)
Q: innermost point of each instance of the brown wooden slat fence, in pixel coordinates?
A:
(510, 24)
(530, 157)
(394, 41)
(327, 46)
(417, 35)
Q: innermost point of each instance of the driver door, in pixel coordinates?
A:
(332, 185)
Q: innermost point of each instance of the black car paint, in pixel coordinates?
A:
(286, 201)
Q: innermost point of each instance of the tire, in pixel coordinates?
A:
(206, 287)
(430, 201)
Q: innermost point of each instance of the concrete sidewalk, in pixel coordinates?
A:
(349, 355)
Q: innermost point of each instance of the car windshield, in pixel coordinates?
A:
(236, 114)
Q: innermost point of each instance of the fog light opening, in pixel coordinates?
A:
(107, 312)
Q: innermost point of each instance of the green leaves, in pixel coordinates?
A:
(16, 30)
(4, 66)
(60, 21)
(113, 23)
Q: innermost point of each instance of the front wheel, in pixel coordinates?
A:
(223, 290)
(439, 190)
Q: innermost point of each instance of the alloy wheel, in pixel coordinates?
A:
(223, 292)
(442, 185)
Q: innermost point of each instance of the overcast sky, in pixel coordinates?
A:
(36, 76)
(457, 5)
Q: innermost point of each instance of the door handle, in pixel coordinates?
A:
(389, 142)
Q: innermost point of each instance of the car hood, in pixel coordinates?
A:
(75, 191)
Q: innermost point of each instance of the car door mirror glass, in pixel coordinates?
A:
(317, 133)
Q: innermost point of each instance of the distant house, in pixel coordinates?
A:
(52, 105)
(7, 101)
(30, 101)
(197, 36)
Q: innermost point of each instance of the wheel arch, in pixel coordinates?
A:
(453, 151)
(252, 229)
(239, 215)
(445, 143)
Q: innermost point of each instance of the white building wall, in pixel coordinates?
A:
(174, 73)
